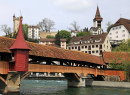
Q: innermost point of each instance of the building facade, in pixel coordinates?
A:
(97, 24)
(94, 44)
(73, 33)
(34, 32)
(120, 31)
(51, 41)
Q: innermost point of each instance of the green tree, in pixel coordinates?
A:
(57, 39)
(83, 34)
(25, 30)
(124, 46)
(109, 26)
(121, 63)
(50, 36)
(65, 34)
(33, 40)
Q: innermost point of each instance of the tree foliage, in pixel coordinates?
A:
(6, 29)
(65, 34)
(57, 39)
(83, 34)
(124, 46)
(46, 25)
(74, 27)
(119, 63)
(50, 36)
(25, 30)
(109, 26)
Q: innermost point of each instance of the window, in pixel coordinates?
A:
(107, 47)
(72, 47)
(100, 52)
(96, 51)
(85, 51)
(96, 46)
(82, 51)
(116, 32)
(123, 31)
(113, 28)
(110, 38)
(82, 47)
(119, 27)
(75, 47)
(92, 46)
(62, 42)
(116, 36)
(89, 47)
(123, 35)
(85, 46)
(69, 48)
(89, 52)
(110, 34)
(100, 47)
(107, 41)
(93, 51)
(104, 46)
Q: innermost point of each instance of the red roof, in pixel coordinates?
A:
(98, 16)
(120, 57)
(52, 52)
(20, 41)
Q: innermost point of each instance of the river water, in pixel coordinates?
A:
(56, 87)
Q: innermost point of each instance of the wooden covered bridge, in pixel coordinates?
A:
(18, 58)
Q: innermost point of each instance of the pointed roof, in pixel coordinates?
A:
(20, 42)
(98, 16)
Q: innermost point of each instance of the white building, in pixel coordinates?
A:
(120, 31)
(94, 44)
(34, 32)
(73, 33)
(97, 24)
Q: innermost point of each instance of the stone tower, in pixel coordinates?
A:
(97, 21)
(16, 23)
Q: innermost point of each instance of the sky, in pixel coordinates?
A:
(63, 12)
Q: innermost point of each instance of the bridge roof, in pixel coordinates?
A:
(119, 57)
(51, 52)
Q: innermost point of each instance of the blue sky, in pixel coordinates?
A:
(63, 12)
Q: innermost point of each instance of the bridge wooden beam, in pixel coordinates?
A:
(1, 78)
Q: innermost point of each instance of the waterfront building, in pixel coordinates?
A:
(51, 41)
(34, 32)
(97, 24)
(120, 31)
(93, 44)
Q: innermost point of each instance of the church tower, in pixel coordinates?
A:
(16, 22)
(97, 21)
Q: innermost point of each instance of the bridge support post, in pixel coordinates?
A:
(80, 83)
(12, 82)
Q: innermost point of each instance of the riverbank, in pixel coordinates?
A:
(90, 82)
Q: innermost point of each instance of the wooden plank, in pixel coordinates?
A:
(3, 79)
(4, 67)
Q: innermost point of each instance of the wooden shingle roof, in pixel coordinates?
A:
(51, 52)
(120, 57)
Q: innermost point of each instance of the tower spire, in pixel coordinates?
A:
(20, 42)
(97, 15)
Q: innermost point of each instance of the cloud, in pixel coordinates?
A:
(74, 5)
